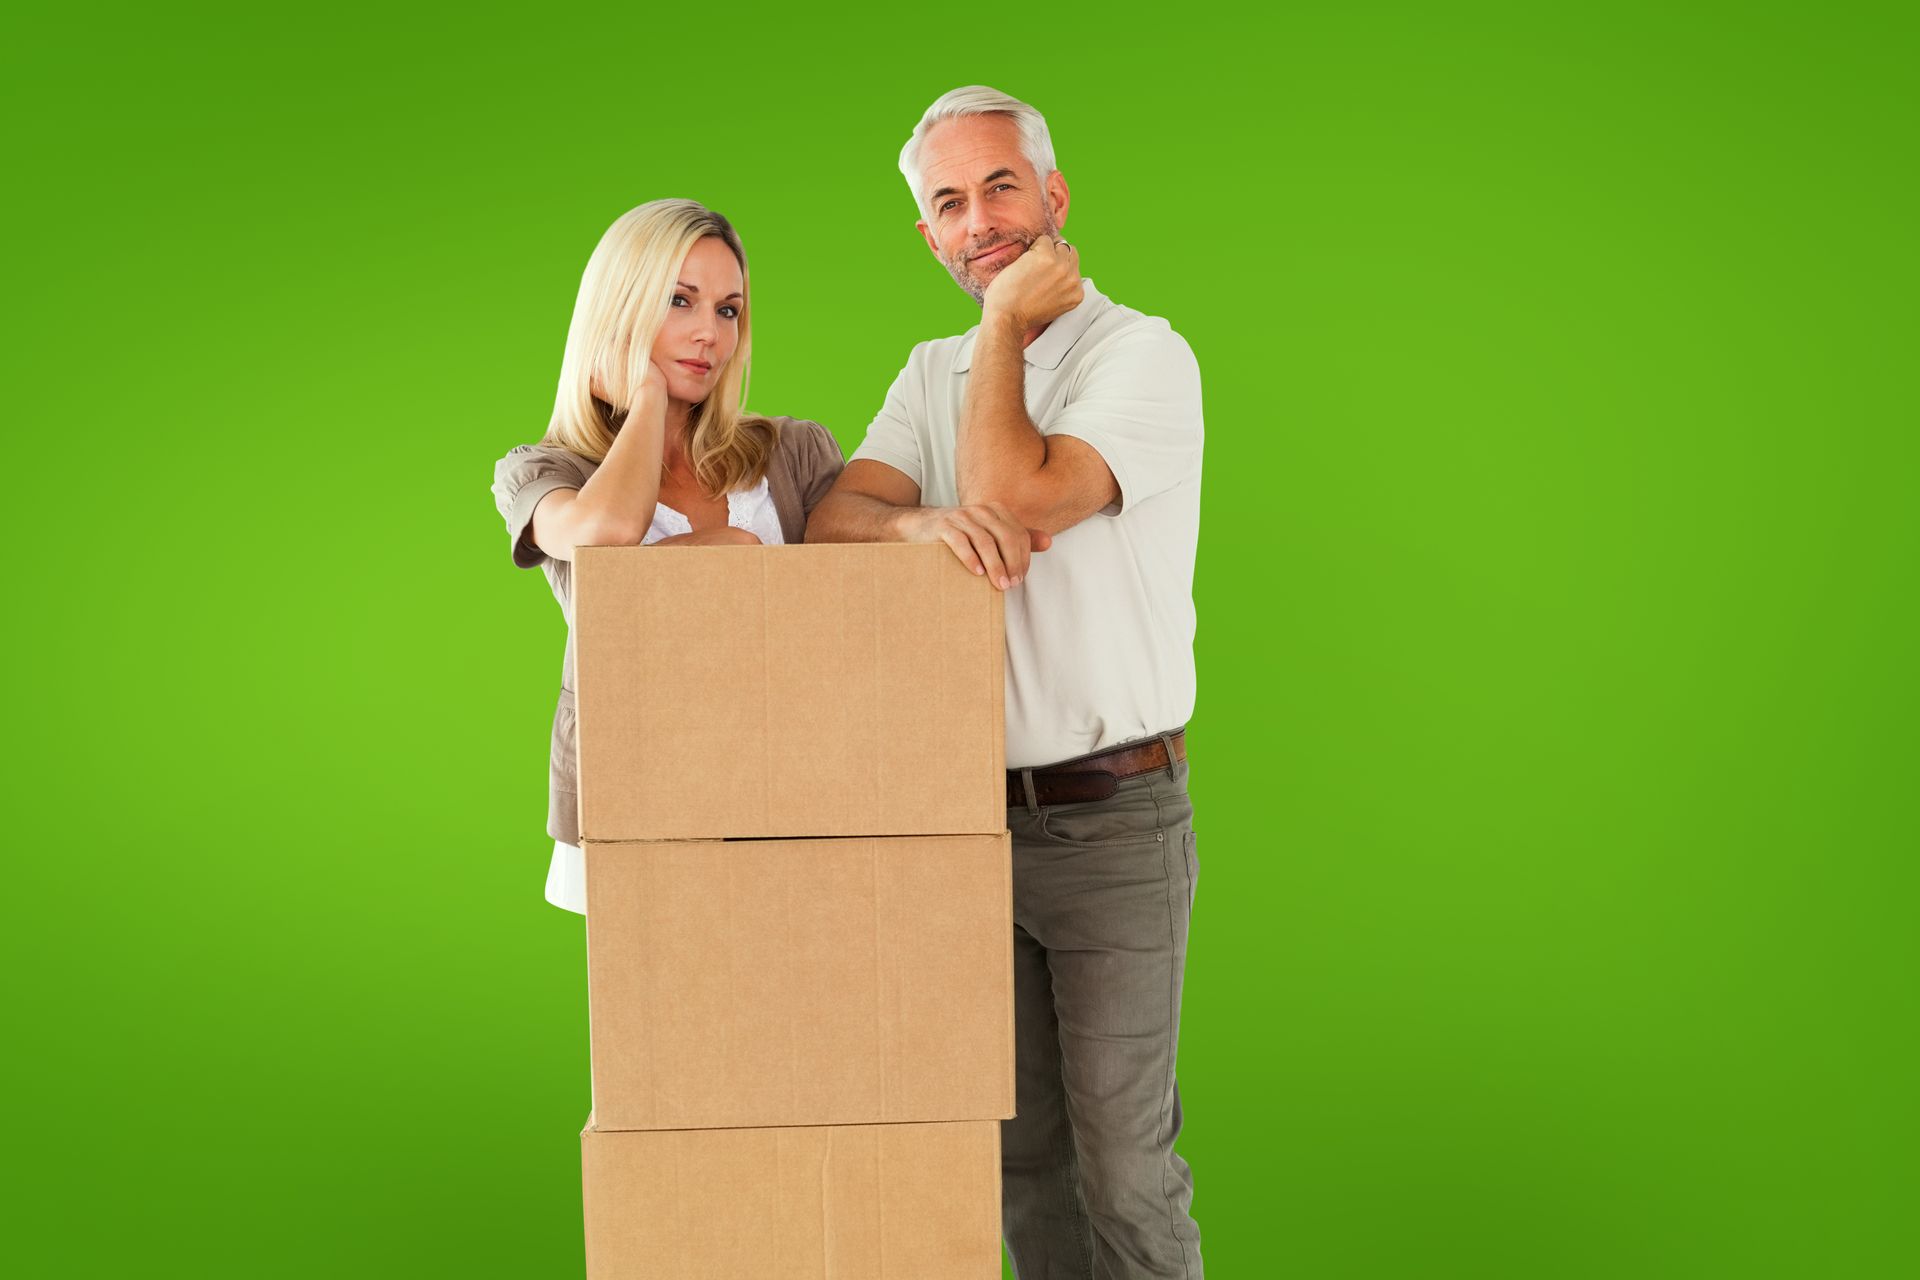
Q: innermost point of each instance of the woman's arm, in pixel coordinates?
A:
(615, 506)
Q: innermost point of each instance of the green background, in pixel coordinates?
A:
(1555, 750)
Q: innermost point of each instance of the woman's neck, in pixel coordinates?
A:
(679, 434)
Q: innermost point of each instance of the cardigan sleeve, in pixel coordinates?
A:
(822, 466)
(527, 474)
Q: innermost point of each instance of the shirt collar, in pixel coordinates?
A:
(1051, 347)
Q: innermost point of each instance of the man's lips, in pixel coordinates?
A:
(995, 252)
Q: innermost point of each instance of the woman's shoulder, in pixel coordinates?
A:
(800, 443)
(544, 452)
(525, 462)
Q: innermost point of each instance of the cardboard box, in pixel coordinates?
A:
(877, 1202)
(788, 691)
(748, 983)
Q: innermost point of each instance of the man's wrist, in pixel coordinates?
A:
(899, 524)
(1001, 325)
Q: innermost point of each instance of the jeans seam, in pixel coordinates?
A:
(1070, 1166)
(1173, 1043)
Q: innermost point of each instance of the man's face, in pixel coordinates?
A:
(984, 204)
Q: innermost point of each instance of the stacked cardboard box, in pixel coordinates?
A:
(799, 912)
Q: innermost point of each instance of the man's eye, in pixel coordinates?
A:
(948, 205)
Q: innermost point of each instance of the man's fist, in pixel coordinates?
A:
(1040, 286)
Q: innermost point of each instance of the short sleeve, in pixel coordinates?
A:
(823, 463)
(527, 474)
(1139, 405)
(890, 437)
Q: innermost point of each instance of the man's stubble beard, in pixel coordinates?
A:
(962, 270)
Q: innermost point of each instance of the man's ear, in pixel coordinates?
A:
(1058, 196)
(926, 234)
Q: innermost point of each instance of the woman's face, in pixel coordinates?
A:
(703, 321)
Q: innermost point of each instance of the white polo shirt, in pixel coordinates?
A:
(1100, 635)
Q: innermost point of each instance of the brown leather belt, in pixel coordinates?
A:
(1094, 777)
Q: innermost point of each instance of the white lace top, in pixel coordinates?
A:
(749, 509)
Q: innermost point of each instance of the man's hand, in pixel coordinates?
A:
(875, 502)
(987, 539)
(1042, 285)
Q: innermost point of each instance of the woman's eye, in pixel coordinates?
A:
(680, 300)
(730, 311)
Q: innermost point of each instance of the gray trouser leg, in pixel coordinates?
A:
(1043, 1212)
(1102, 894)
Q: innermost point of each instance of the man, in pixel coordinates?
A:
(1056, 449)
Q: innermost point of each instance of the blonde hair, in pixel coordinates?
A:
(624, 295)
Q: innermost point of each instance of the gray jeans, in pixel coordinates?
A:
(1091, 1186)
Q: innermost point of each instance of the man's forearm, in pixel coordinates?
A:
(855, 517)
(999, 449)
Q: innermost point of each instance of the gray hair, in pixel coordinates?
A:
(979, 100)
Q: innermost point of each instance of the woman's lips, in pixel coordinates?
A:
(698, 366)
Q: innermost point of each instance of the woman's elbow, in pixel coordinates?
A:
(610, 531)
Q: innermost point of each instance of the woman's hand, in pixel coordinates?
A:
(727, 536)
(653, 387)
(614, 508)
(652, 393)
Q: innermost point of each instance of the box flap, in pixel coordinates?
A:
(788, 691)
(800, 982)
(855, 1203)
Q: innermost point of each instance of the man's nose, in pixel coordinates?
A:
(979, 220)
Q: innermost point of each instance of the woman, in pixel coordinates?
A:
(648, 444)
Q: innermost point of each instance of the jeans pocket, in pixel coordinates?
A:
(1126, 819)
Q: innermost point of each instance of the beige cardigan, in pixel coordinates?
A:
(805, 462)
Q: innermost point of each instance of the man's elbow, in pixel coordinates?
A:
(1028, 500)
(833, 520)
(1031, 515)
(821, 521)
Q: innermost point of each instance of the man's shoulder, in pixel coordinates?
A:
(1120, 332)
(940, 353)
(1121, 321)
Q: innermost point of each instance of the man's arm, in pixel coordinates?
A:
(873, 502)
(1044, 482)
